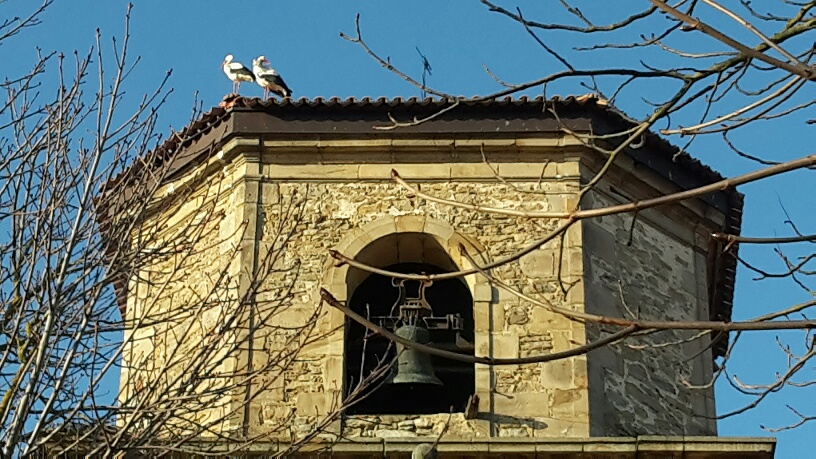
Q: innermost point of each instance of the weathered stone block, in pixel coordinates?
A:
(528, 170)
(543, 320)
(410, 223)
(565, 402)
(562, 340)
(574, 262)
(569, 168)
(275, 412)
(423, 171)
(574, 238)
(482, 317)
(519, 407)
(558, 374)
(335, 344)
(539, 264)
(483, 293)
(575, 295)
(472, 170)
(579, 375)
(498, 345)
(311, 171)
(333, 372)
(439, 229)
(483, 379)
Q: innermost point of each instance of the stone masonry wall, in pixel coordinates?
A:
(175, 349)
(532, 400)
(640, 387)
(279, 221)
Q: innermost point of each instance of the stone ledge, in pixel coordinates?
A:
(643, 447)
(385, 143)
(601, 447)
(424, 172)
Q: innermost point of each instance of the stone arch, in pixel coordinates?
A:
(404, 244)
(336, 278)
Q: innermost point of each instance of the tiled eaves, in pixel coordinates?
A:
(497, 108)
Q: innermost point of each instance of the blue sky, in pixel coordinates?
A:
(301, 40)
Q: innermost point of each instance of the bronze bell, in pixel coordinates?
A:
(414, 366)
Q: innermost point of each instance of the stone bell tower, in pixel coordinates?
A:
(529, 157)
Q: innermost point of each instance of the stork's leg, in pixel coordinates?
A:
(266, 93)
(237, 87)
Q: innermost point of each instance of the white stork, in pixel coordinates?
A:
(236, 72)
(269, 79)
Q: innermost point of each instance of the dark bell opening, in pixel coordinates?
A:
(374, 297)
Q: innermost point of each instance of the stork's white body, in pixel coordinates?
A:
(269, 79)
(236, 72)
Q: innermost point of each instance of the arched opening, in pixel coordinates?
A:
(449, 326)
